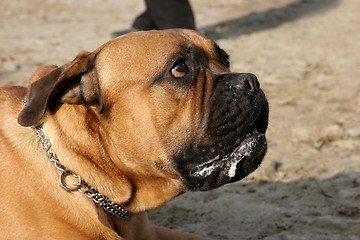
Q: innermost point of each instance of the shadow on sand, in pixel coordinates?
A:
(268, 19)
(307, 208)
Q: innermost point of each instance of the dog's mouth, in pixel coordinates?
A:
(236, 163)
(226, 166)
(231, 143)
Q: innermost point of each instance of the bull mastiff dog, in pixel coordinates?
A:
(94, 144)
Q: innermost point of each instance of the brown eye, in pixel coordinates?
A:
(179, 70)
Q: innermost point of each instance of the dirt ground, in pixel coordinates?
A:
(306, 54)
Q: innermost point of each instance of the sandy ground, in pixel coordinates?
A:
(306, 54)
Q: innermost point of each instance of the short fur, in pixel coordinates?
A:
(117, 118)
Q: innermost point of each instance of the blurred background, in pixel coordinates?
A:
(306, 54)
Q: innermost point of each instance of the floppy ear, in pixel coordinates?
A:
(74, 83)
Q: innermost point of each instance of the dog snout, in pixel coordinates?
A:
(247, 82)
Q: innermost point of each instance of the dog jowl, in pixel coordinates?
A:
(231, 142)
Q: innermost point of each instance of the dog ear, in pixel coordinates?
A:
(75, 82)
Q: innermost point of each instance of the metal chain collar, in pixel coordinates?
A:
(81, 186)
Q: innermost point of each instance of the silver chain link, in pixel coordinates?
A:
(81, 186)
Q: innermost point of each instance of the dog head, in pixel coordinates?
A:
(172, 115)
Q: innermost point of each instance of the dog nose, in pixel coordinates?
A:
(248, 82)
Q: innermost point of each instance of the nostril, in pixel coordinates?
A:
(253, 82)
(243, 82)
(248, 82)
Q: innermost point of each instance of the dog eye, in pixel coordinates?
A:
(227, 62)
(179, 70)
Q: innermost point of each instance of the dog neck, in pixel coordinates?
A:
(81, 185)
(99, 199)
(84, 145)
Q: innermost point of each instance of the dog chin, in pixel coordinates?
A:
(231, 167)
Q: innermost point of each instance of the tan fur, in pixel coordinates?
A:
(121, 148)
